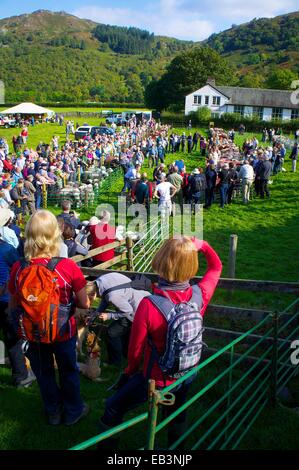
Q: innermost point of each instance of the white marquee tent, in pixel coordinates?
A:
(28, 109)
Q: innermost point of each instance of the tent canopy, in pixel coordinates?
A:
(28, 109)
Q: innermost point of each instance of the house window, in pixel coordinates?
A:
(238, 109)
(197, 99)
(276, 113)
(216, 100)
(258, 111)
(207, 100)
(295, 114)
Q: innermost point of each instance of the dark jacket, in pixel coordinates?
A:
(211, 176)
(223, 176)
(265, 170)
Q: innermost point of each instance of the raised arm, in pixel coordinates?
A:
(212, 274)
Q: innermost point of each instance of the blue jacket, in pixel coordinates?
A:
(8, 256)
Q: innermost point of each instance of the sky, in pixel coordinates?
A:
(184, 19)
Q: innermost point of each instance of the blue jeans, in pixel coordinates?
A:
(223, 194)
(42, 363)
(133, 394)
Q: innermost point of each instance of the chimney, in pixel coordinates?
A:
(211, 81)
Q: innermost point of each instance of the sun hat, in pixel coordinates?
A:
(93, 221)
(5, 215)
(196, 171)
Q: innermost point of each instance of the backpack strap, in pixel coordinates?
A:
(164, 305)
(53, 263)
(24, 263)
(196, 296)
(126, 285)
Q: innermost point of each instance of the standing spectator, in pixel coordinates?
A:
(211, 177)
(66, 216)
(197, 187)
(164, 192)
(24, 134)
(294, 156)
(8, 256)
(223, 175)
(189, 143)
(101, 234)
(42, 244)
(233, 177)
(176, 263)
(265, 173)
(246, 174)
(177, 181)
(183, 142)
(30, 190)
(195, 141)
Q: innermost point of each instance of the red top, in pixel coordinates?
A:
(7, 165)
(148, 320)
(102, 235)
(70, 278)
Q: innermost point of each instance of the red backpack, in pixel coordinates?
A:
(38, 296)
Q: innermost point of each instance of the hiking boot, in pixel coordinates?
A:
(55, 419)
(84, 412)
(25, 383)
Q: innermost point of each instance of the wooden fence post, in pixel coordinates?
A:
(233, 243)
(45, 196)
(129, 244)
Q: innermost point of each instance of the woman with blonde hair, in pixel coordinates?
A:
(176, 263)
(42, 246)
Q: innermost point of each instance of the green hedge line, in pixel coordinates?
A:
(228, 120)
(67, 104)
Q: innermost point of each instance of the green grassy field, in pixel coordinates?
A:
(97, 109)
(267, 249)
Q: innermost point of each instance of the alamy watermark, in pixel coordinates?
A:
(175, 219)
(295, 93)
(2, 92)
(2, 353)
(295, 354)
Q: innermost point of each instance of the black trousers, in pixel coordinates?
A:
(13, 345)
(118, 340)
(230, 193)
(264, 188)
(209, 196)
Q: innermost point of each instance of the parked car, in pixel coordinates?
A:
(83, 131)
(101, 130)
(7, 122)
(114, 118)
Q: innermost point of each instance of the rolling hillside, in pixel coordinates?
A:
(48, 56)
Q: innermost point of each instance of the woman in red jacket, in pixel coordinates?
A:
(101, 234)
(176, 263)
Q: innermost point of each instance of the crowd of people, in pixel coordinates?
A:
(27, 303)
(26, 171)
(228, 170)
(39, 321)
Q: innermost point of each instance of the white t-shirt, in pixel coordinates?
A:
(163, 190)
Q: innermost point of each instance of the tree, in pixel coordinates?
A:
(281, 79)
(187, 72)
(252, 80)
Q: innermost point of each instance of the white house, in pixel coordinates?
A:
(266, 104)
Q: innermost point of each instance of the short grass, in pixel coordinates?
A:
(96, 109)
(267, 249)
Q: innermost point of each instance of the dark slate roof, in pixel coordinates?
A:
(258, 97)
